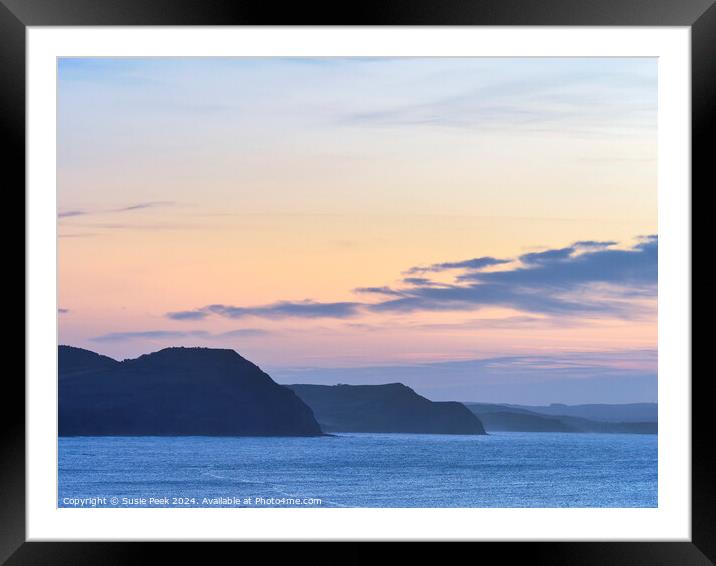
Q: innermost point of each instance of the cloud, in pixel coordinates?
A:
(472, 297)
(143, 205)
(594, 244)
(575, 280)
(568, 267)
(565, 253)
(187, 315)
(85, 235)
(587, 279)
(564, 102)
(509, 322)
(306, 309)
(417, 281)
(177, 334)
(128, 208)
(547, 256)
(155, 226)
(243, 333)
(474, 263)
(563, 377)
(150, 335)
(282, 309)
(69, 213)
(385, 290)
(101, 226)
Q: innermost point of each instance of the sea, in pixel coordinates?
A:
(502, 469)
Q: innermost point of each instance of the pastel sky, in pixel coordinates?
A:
(478, 228)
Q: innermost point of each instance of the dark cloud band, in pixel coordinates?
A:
(589, 278)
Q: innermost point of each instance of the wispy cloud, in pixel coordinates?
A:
(153, 226)
(509, 322)
(150, 335)
(187, 315)
(565, 102)
(417, 281)
(143, 205)
(474, 263)
(282, 309)
(85, 235)
(128, 208)
(595, 244)
(243, 333)
(384, 290)
(178, 334)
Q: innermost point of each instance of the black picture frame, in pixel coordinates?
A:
(17, 15)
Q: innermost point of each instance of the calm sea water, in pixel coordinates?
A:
(361, 470)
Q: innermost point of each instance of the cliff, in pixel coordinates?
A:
(175, 392)
(385, 408)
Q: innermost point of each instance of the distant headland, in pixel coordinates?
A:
(392, 407)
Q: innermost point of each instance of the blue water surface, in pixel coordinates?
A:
(361, 470)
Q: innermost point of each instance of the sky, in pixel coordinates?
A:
(480, 229)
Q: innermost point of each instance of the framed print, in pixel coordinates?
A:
(424, 275)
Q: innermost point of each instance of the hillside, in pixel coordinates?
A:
(391, 407)
(175, 392)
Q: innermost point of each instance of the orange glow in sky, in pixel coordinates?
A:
(322, 213)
